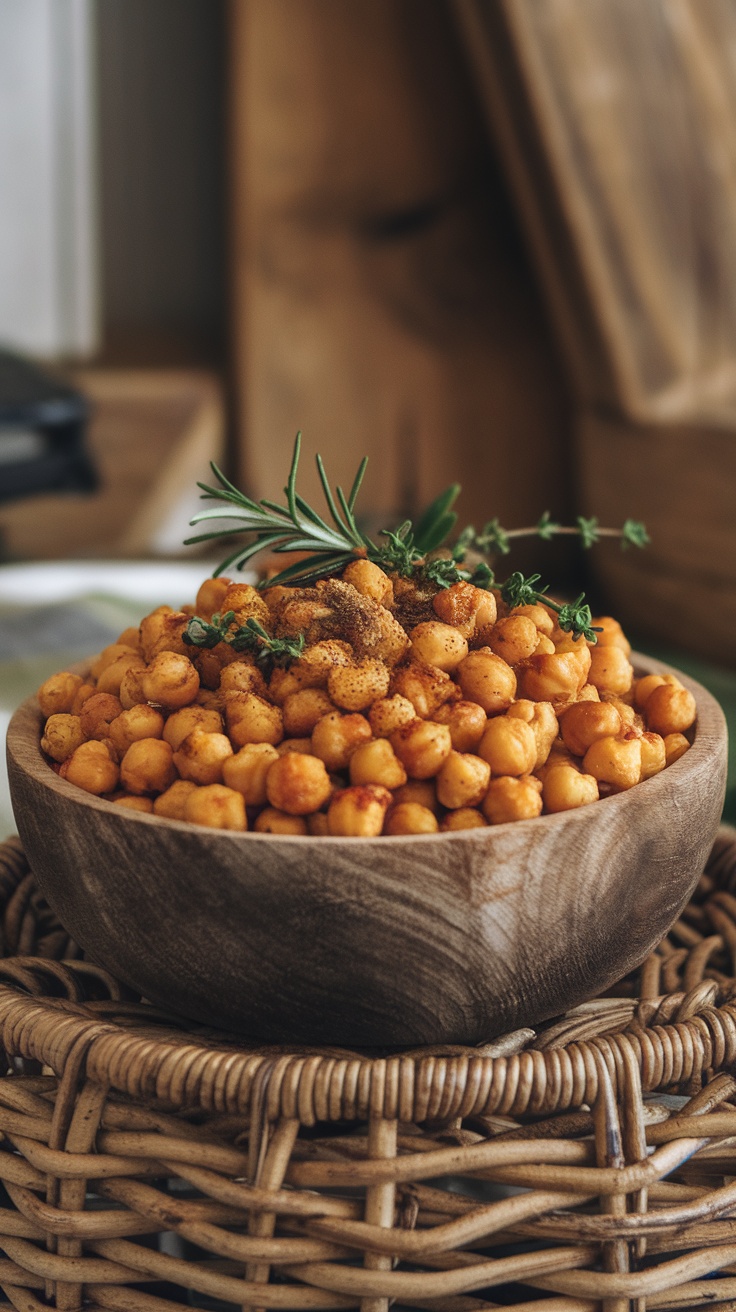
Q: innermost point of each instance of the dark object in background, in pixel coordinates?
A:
(43, 426)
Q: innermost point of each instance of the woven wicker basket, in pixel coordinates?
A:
(150, 1166)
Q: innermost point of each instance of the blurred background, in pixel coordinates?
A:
(491, 241)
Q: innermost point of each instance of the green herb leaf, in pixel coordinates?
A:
(546, 527)
(588, 529)
(634, 533)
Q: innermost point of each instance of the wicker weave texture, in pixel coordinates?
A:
(151, 1167)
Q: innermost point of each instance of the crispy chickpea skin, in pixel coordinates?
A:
(183, 722)
(610, 670)
(370, 581)
(201, 756)
(462, 780)
(377, 763)
(566, 788)
(136, 723)
(112, 676)
(358, 812)
(335, 738)
(62, 735)
(438, 644)
(92, 768)
(209, 598)
(251, 719)
(670, 710)
(170, 680)
(422, 746)
(555, 677)
(242, 675)
(675, 746)
(85, 691)
(97, 714)
(273, 821)
(56, 695)
(410, 818)
(611, 634)
(509, 746)
(144, 804)
(216, 806)
(510, 799)
(172, 802)
(356, 687)
(131, 691)
(466, 722)
(152, 626)
(584, 722)
(422, 791)
(466, 817)
(389, 713)
(541, 718)
(425, 686)
(539, 616)
(301, 711)
(148, 766)
(615, 761)
(513, 638)
(486, 679)
(465, 607)
(298, 784)
(653, 754)
(303, 745)
(246, 771)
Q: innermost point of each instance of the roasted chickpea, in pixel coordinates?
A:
(273, 821)
(552, 678)
(615, 761)
(148, 766)
(370, 581)
(91, 767)
(629, 717)
(466, 817)
(298, 784)
(358, 812)
(610, 670)
(171, 637)
(131, 690)
(172, 803)
(246, 771)
(98, 712)
(312, 670)
(216, 806)
(509, 746)
(136, 723)
(439, 645)
(565, 789)
(107, 657)
(486, 679)
(303, 745)
(251, 719)
(170, 680)
(675, 746)
(210, 663)
(56, 696)
(144, 804)
(466, 722)
(301, 711)
(670, 710)
(544, 647)
(421, 791)
(356, 687)
(335, 738)
(611, 634)
(152, 626)
(425, 686)
(247, 604)
(643, 687)
(539, 616)
(129, 637)
(584, 722)
(377, 763)
(465, 607)
(422, 746)
(85, 691)
(210, 596)
(317, 825)
(462, 780)
(510, 799)
(112, 676)
(389, 713)
(653, 754)
(62, 735)
(183, 722)
(410, 818)
(201, 756)
(513, 638)
(242, 675)
(541, 718)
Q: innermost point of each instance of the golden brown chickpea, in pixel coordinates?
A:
(147, 767)
(539, 616)
(82, 694)
(201, 756)
(132, 725)
(282, 683)
(410, 818)
(91, 767)
(511, 799)
(509, 746)
(584, 722)
(541, 718)
(611, 635)
(298, 784)
(559, 755)
(183, 722)
(303, 745)
(210, 700)
(421, 791)
(301, 711)
(108, 657)
(544, 647)
(552, 678)
(389, 713)
(653, 754)
(675, 746)
(209, 598)
(486, 679)
(462, 780)
(566, 643)
(514, 638)
(112, 676)
(566, 788)
(370, 581)
(152, 626)
(466, 817)
(242, 675)
(425, 686)
(465, 607)
(610, 670)
(335, 738)
(144, 804)
(313, 667)
(356, 687)
(56, 696)
(615, 761)
(251, 719)
(247, 603)
(670, 710)
(358, 812)
(629, 717)
(377, 763)
(170, 680)
(643, 687)
(131, 690)
(62, 735)
(440, 645)
(216, 806)
(210, 663)
(171, 637)
(97, 713)
(422, 746)
(172, 803)
(130, 638)
(466, 722)
(317, 825)
(246, 771)
(273, 821)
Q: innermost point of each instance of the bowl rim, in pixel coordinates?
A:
(24, 746)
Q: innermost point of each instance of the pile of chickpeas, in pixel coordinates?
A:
(408, 712)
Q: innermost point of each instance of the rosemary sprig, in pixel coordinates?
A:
(250, 637)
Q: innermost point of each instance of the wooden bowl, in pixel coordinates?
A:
(447, 938)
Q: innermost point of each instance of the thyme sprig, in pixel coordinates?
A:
(250, 637)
